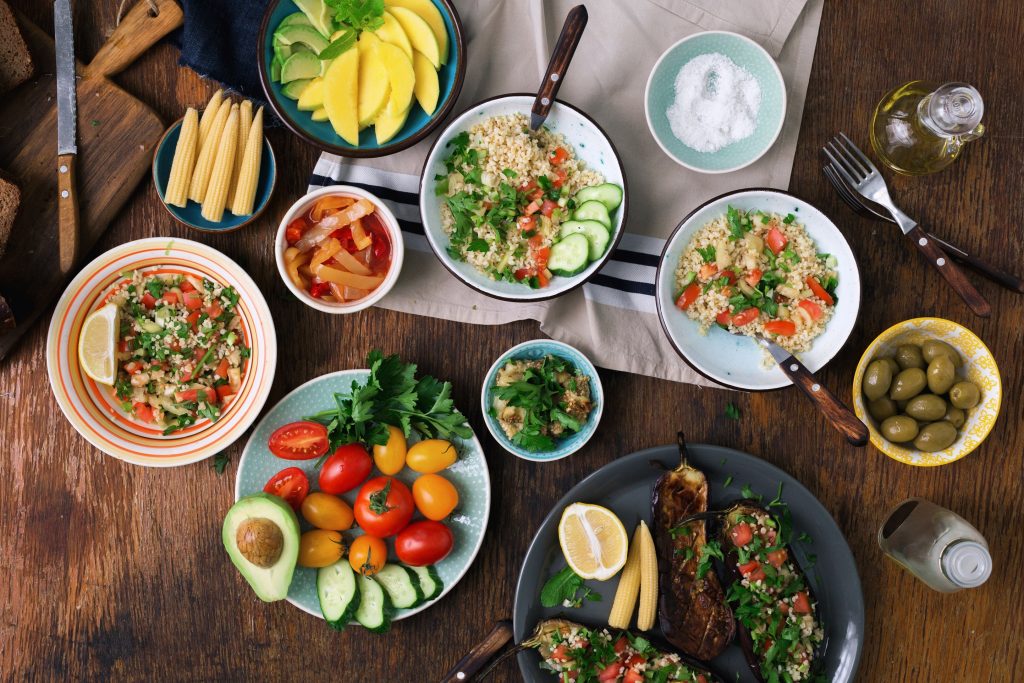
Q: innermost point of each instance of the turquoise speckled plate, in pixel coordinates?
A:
(535, 350)
(469, 474)
(661, 92)
(191, 213)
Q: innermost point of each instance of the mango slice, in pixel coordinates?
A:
(429, 13)
(341, 96)
(420, 36)
(427, 88)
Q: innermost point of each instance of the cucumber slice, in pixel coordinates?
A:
(430, 582)
(339, 596)
(294, 89)
(375, 609)
(596, 234)
(402, 586)
(593, 210)
(570, 256)
(608, 194)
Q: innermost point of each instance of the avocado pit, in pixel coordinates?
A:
(260, 541)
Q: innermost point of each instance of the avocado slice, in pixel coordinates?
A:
(295, 18)
(319, 15)
(261, 535)
(299, 66)
(298, 33)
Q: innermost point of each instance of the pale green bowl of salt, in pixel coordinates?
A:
(715, 102)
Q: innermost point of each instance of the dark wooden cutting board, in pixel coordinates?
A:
(116, 137)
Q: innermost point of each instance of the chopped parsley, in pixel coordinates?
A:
(732, 411)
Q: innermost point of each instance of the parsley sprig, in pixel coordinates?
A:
(563, 589)
(352, 17)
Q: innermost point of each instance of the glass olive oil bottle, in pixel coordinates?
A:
(920, 127)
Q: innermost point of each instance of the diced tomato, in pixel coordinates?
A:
(688, 296)
(813, 309)
(536, 195)
(222, 369)
(122, 345)
(745, 317)
(558, 156)
(636, 660)
(559, 179)
(541, 257)
(186, 286)
(753, 277)
(741, 534)
(131, 367)
(783, 328)
(777, 558)
(148, 300)
(319, 288)
(527, 223)
(524, 273)
(801, 603)
(193, 300)
(527, 188)
(224, 390)
(621, 644)
(784, 608)
(610, 673)
(170, 297)
(543, 277)
(532, 208)
(560, 653)
(142, 411)
(548, 207)
(293, 233)
(707, 271)
(633, 677)
(701, 678)
(724, 318)
(193, 320)
(728, 275)
(776, 241)
(819, 291)
(213, 310)
(208, 394)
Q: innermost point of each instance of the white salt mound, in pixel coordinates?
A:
(716, 103)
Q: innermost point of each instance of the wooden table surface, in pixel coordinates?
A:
(117, 572)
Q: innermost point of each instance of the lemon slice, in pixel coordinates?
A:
(98, 343)
(593, 541)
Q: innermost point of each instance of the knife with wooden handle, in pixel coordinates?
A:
(67, 149)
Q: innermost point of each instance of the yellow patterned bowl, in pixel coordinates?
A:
(979, 367)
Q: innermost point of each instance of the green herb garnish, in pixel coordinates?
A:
(731, 411)
(220, 461)
(562, 588)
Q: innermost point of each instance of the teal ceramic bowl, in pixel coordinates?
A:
(661, 92)
(535, 350)
(320, 133)
(191, 214)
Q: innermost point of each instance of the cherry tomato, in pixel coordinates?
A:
(424, 543)
(347, 468)
(431, 455)
(741, 534)
(688, 296)
(777, 558)
(783, 328)
(813, 309)
(390, 458)
(745, 317)
(320, 548)
(291, 484)
(801, 603)
(776, 241)
(819, 291)
(384, 506)
(302, 440)
(435, 496)
(325, 511)
(367, 555)
(186, 287)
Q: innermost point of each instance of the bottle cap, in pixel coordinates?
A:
(956, 108)
(967, 563)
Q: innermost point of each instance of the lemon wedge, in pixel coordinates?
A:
(98, 343)
(593, 541)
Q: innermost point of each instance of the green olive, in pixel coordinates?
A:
(935, 437)
(909, 356)
(893, 365)
(908, 384)
(933, 348)
(881, 408)
(899, 428)
(964, 395)
(877, 379)
(926, 408)
(941, 374)
(955, 417)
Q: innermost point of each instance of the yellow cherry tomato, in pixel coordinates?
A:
(367, 555)
(390, 458)
(435, 496)
(430, 456)
(320, 548)
(325, 511)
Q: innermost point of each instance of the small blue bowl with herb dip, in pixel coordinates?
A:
(546, 386)
(726, 74)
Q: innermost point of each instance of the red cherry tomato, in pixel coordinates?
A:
(143, 411)
(424, 543)
(347, 468)
(291, 484)
(303, 440)
(384, 507)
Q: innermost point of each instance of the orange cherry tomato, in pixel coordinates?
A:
(431, 455)
(435, 496)
(367, 555)
(325, 511)
(320, 548)
(390, 458)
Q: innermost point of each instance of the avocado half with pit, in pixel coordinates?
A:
(261, 535)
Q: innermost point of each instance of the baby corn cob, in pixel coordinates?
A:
(209, 114)
(244, 123)
(648, 580)
(249, 174)
(629, 586)
(217, 192)
(208, 155)
(184, 160)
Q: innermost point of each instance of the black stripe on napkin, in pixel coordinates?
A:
(623, 285)
(410, 198)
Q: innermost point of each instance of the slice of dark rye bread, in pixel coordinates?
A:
(10, 198)
(15, 60)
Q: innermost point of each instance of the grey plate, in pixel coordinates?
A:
(624, 486)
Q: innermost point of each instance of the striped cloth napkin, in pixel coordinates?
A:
(612, 318)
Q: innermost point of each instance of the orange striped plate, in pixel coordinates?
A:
(95, 412)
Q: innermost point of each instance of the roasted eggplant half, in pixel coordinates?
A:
(575, 652)
(778, 624)
(692, 609)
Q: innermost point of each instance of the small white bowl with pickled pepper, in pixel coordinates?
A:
(339, 249)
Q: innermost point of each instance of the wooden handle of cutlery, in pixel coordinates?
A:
(834, 410)
(481, 653)
(565, 47)
(67, 213)
(997, 275)
(139, 30)
(950, 271)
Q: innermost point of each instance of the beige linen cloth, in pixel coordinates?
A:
(509, 42)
